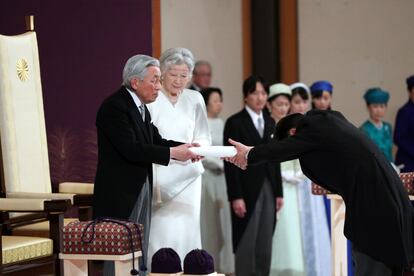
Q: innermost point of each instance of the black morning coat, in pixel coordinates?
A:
(248, 184)
(127, 147)
(342, 159)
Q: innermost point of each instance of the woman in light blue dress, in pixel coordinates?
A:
(314, 224)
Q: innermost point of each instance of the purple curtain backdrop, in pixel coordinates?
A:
(83, 46)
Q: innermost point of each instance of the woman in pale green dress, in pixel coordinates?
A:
(287, 254)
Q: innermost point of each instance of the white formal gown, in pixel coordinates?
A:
(215, 208)
(175, 220)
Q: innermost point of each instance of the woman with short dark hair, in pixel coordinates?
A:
(278, 101)
(378, 130)
(321, 92)
(215, 218)
(300, 98)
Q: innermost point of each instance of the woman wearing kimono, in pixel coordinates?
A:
(179, 114)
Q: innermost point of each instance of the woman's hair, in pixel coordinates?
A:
(249, 85)
(207, 92)
(176, 56)
(286, 124)
(301, 92)
(317, 95)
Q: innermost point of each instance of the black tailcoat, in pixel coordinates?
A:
(127, 147)
(342, 159)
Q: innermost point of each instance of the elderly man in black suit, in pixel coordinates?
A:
(128, 145)
(340, 158)
(255, 194)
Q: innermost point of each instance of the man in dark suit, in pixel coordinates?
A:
(202, 73)
(340, 158)
(128, 145)
(256, 193)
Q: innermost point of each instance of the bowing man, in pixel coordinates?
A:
(341, 158)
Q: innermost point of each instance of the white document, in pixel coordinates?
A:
(215, 151)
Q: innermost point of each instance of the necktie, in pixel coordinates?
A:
(142, 111)
(260, 126)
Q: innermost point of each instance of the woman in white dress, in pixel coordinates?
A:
(179, 114)
(287, 255)
(216, 235)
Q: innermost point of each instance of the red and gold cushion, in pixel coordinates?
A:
(104, 238)
(318, 190)
(408, 181)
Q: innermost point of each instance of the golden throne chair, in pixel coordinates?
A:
(24, 159)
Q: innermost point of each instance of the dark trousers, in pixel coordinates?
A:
(364, 265)
(140, 214)
(254, 251)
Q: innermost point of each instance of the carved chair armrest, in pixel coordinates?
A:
(34, 205)
(54, 210)
(50, 196)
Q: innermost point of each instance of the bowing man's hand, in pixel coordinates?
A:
(182, 153)
(240, 159)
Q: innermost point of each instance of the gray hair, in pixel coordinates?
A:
(137, 67)
(176, 56)
(200, 63)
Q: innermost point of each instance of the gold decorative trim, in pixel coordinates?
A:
(29, 23)
(22, 69)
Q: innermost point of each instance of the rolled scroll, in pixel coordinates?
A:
(215, 151)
